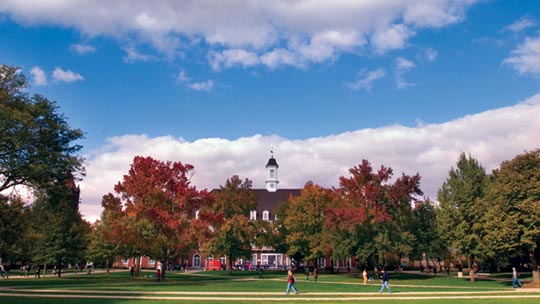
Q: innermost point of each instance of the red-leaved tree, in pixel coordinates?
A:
(159, 208)
(371, 216)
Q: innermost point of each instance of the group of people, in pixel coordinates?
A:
(385, 278)
(5, 271)
(291, 280)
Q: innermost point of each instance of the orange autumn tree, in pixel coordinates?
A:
(160, 204)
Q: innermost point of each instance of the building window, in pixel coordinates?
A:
(197, 214)
(151, 262)
(275, 217)
(271, 173)
(125, 261)
(253, 215)
(266, 215)
(196, 261)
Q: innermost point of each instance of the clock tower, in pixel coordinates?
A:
(271, 174)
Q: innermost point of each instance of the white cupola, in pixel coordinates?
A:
(271, 174)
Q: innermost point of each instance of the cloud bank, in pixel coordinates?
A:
(431, 150)
(246, 33)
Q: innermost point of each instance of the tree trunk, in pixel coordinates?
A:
(164, 263)
(59, 268)
(535, 266)
(471, 270)
(107, 262)
(137, 266)
(229, 265)
(44, 269)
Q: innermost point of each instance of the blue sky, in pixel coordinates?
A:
(231, 79)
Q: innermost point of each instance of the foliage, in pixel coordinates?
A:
(36, 142)
(155, 211)
(233, 232)
(372, 213)
(13, 220)
(460, 211)
(512, 221)
(424, 227)
(65, 239)
(304, 221)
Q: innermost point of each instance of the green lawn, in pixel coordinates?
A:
(218, 286)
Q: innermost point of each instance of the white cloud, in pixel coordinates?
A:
(431, 54)
(202, 86)
(196, 86)
(182, 76)
(83, 49)
(40, 77)
(231, 58)
(521, 24)
(525, 59)
(133, 55)
(402, 66)
(394, 37)
(66, 76)
(281, 57)
(429, 149)
(367, 81)
(307, 31)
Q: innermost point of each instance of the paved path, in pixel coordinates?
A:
(267, 296)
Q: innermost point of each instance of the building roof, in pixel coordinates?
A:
(272, 162)
(270, 200)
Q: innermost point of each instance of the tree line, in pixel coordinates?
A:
(372, 216)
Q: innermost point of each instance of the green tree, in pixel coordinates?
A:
(512, 221)
(425, 228)
(65, 239)
(233, 232)
(36, 143)
(13, 223)
(304, 221)
(102, 249)
(460, 207)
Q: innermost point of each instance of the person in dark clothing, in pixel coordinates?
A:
(385, 280)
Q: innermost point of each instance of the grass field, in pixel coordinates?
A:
(245, 286)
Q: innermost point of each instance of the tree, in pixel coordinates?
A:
(425, 229)
(233, 232)
(65, 239)
(304, 221)
(100, 249)
(160, 204)
(13, 221)
(36, 143)
(460, 211)
(512, 221)
(372, 214)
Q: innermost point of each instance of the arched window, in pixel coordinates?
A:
(266, 215)
(197, 214)
(253, 215)
(196, 261)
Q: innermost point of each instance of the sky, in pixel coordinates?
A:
(408, 84)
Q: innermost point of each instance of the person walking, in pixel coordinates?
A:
(515, 278)
(158, 275)
(37, 272)
(364, 276)
(385, 280)
(131, 271)
(315, 274)
(290, 283)
(261, 272)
